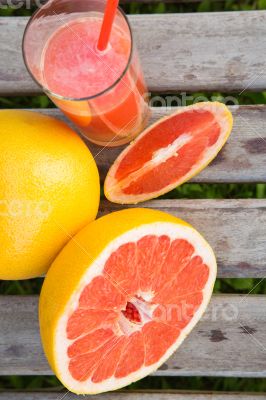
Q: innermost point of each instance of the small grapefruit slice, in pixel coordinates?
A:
(122, 296)
(169, 153)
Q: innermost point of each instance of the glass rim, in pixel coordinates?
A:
(58, 96)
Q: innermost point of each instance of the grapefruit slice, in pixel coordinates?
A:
(169, 153)
(122, 296)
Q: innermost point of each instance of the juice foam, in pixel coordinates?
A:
(72, 65)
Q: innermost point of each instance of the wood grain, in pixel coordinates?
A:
(230, 340)
(179, 52)
(236, 229)
(243, 158)
(138, 395)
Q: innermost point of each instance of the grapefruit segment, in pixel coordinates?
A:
(127, 363)
(117, 268)
(169, 153)
(89, 342)
(158, 338)
(153, 277)
(107, 369)
(86, 320)
(82, 366)
(144, 261)
(131, 300)
(190, 280)
(179, 311)
(176, 258)
(102, 293)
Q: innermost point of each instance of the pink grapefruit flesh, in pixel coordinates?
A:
(169, 153)
(121, 323)
(128, 317)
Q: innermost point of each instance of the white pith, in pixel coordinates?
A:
(166, 152)
(113, 187)
(174, 231)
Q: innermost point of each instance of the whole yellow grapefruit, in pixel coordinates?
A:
(49, 190)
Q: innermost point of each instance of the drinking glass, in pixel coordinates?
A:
(102, 92)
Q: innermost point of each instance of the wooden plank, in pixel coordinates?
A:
(230, 340)
(179, 52)
(138, 395)
(236, 229)
(242, 159)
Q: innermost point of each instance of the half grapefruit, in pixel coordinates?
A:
(122, 296)
(169, 153)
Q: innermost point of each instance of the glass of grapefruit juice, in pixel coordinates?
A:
(102, 92)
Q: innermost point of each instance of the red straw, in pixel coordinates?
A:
(108, 19)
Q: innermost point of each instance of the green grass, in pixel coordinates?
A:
(199, 383)
(26, 102)
(161, 7)
(201, 6)
(30, 383)
(218, 191)
(187, 191)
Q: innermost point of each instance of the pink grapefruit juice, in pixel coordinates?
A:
(109, 105)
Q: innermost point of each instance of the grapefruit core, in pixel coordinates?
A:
(122, 296)
(169, 153)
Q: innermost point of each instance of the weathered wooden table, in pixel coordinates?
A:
(179, 52)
